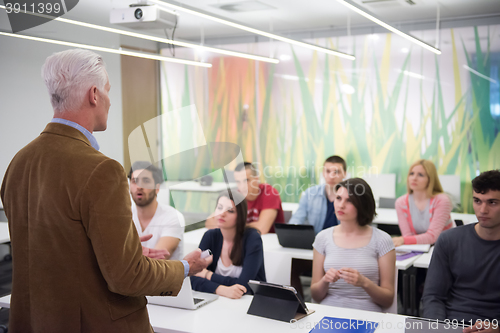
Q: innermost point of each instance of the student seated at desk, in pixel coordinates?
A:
(316, 208)
(354, 263)
(165, 223)
(463, 281)
(424, 212)
(316, 204)
(238, 255)
(263, 200)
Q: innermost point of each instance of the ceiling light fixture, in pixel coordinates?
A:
(158, 39)
(358, 9)
(255, 31)
(414, 75)
(108, 50)
(479, 74)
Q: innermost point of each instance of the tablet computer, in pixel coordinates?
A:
(276, 301)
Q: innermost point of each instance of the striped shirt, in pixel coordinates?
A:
(364, 259)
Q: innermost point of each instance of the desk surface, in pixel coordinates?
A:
(228, 315)
(388, 215)
(196, 187)
(4, 232)
(424, 260)
(277, 259)
(290, 206)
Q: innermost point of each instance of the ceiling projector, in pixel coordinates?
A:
(143, 17)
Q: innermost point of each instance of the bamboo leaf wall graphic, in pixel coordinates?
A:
(388, 120)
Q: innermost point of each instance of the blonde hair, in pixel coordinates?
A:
(434, 185)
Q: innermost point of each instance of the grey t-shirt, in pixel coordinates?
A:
(364, 259)
(420, 218)
(463, 279)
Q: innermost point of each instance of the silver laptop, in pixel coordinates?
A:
(186, 299)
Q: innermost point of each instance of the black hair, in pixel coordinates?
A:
(487, 181)
(361, 196)
(247, 166)
(139, 165)
(336, 159)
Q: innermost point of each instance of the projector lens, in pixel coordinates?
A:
(138, 13)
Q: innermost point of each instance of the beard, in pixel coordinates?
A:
(146, 200)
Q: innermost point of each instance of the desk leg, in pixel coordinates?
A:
(405, 299)
(413, 295)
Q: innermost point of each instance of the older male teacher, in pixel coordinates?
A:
(78, 265)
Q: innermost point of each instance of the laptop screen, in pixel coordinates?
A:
(295, 235)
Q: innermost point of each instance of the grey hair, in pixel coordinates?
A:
(69, 75)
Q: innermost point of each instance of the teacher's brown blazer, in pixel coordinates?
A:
(77, 259)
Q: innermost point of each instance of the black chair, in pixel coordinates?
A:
(392, 230)
(459, 223)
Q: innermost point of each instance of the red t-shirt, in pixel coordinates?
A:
(268, 198)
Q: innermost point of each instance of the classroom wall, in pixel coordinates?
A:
(394, 104)
(25, 107)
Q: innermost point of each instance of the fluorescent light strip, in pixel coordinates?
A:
(479, 74)
(169, 41)
(158, 39)
(415, 75)
(371, 17)
(256, 31)
(108, 50)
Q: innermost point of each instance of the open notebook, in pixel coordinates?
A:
(407, 251)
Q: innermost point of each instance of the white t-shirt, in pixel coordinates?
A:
(167, 221)
(231, 270)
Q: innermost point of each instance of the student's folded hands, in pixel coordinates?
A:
(352, 276)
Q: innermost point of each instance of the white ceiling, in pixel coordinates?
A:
(300, 19)
(288, 16)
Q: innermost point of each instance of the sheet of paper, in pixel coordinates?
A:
(414, 247)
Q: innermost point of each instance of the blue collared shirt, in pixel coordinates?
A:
(88, 135)
(95, 145)
(312, 208)
(186, 267)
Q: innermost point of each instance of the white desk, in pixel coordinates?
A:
(424, 260)
(4, 232)
(290, 206)
(389, 216)
(467, 218)
(228, 316)
(192, 239)
(277, 259)
(384, 215)
(196, 187)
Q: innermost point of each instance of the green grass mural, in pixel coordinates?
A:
(381, 112)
